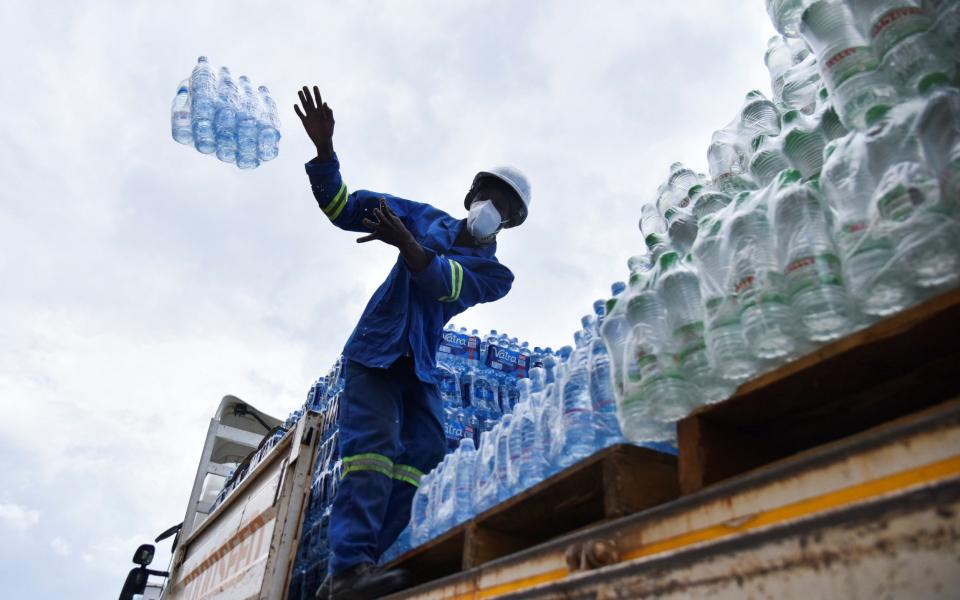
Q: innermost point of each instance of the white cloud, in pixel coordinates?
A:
(17, 517)
(60, 547)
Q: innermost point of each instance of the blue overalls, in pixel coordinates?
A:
(390, 413)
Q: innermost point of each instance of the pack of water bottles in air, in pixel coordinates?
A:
(230, 118)
(828, 207)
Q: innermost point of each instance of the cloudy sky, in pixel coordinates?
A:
(142, 281)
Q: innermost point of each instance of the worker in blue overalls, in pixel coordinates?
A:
(390, 412)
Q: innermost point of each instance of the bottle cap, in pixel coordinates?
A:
(876, 112)
(932, 81)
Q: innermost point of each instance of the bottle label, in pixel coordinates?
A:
(689, 340)
(753, 290)
(722, 312)
(459, 345)
(847, 62)
(897, 24)
(812, 271)
(856, 238)
(514, 364)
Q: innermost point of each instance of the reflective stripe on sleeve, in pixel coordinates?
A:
(367, 462)
(407, 473)
(456, 280)
(336, 205)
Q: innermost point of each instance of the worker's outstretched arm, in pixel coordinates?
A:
(345, 210)
(464, 280)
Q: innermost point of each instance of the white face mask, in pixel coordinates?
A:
(483, 221)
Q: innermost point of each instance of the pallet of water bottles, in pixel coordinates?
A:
(310, 564)
(613, 482)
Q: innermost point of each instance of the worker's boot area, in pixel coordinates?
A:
(363, 582)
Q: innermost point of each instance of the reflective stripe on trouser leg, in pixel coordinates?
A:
(368, 462)
(407, 473)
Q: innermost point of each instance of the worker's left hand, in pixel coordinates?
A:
(388, 228)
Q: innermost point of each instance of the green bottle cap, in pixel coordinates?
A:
(932, 81)
(788, 176)
(876, 112)
(611, 302)
(668, 260)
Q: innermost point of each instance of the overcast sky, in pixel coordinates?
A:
(141, 281)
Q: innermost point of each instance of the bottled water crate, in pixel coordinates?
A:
(888, 371)
(614, 482)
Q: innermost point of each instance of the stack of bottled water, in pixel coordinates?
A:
(827, 207)
(313, 552)
(218, 115)
(564, 411)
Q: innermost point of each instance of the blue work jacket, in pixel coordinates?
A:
(407, 313)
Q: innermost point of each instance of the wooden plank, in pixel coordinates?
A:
(897, 366)
(614, 482)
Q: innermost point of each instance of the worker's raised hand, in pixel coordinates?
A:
(388, 228)
(317, 119)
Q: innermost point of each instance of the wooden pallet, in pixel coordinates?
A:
(612, 483)
(895, 367)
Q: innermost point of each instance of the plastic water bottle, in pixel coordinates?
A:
(768, 159)
(577, 416)
(947, 24)
(225, 122)
(529, 467)
(269, 126)
(654, 387)
(809, 261)
(203, 99)
(547, 435)
(616, 332)
(866, 251)
(466, 468)
(726, 344)
(803, 143)
(180, 123)
(907, 198)
(901, 33)
(502, 459)
(726, 157)
(419, 517)
(705, 200)
(679, 288)
(801, 83)
(758, 116)
(785, 15)
(757, 281)
(848, 63)
(247, 128)
(446, 486)
(484, 398)
(781, 55)
(485, 492)
(651, 221)
(603, 398)
(680, 180)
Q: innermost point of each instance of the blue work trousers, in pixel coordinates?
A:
(390, 434)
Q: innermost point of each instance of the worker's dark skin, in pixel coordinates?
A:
(317, 120)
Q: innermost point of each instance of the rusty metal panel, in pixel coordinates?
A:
(834, 479)
(901, 546)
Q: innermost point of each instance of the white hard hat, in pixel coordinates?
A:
(517, 182)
